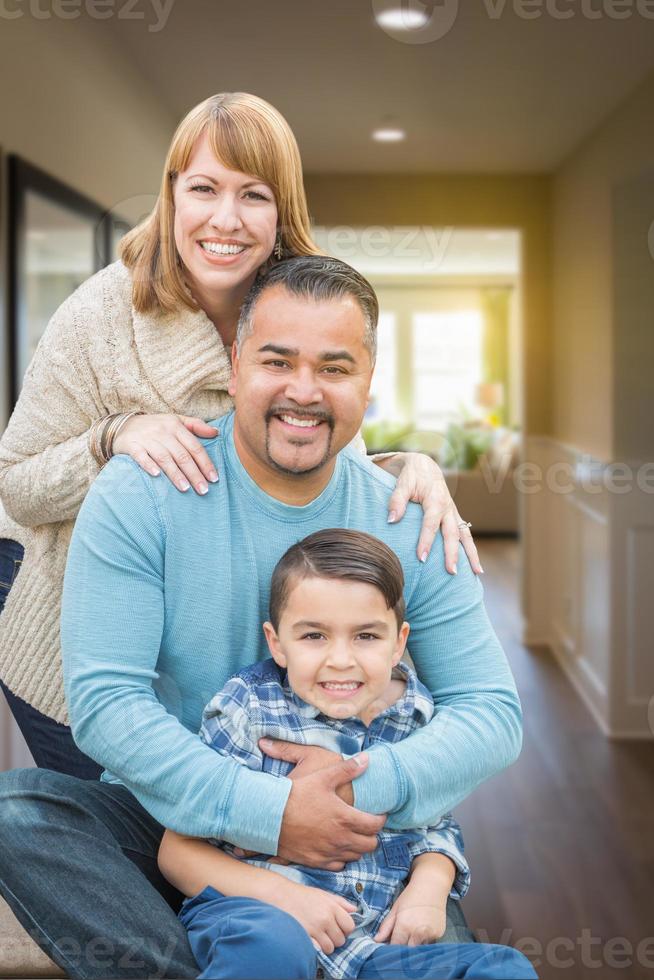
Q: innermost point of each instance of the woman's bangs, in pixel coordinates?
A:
(244, 145)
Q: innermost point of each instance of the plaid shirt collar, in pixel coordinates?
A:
(415, 703)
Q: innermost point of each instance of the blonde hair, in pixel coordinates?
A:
(246, 134)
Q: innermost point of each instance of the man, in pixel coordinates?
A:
(164, 599)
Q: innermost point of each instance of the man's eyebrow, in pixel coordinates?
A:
(276, 349)
(336, 355)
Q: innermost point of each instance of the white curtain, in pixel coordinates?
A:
(13, 750)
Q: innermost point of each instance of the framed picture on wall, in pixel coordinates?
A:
(57, 239)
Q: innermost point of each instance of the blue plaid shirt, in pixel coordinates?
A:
(258, 702)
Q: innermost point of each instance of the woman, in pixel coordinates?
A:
(135, 362)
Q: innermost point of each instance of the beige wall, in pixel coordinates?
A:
(583, 357)
(77, 107)
(495, 202)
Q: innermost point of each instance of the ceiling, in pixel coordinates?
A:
(496, 93)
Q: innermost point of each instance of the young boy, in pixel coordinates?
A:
(336, 635)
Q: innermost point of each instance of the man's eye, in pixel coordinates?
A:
(276, 363)
(332, 369)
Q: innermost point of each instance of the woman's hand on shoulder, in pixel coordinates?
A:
(170, 444)
(421, 480)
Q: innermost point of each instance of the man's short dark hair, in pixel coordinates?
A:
(337, 553)
(318, 277)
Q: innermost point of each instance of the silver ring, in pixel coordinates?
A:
(464, 524)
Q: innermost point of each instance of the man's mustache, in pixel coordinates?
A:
(308, 413)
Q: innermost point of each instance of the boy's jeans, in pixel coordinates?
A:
(78, 867)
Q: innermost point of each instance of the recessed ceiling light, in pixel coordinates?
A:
(389, 134)
(402, 18)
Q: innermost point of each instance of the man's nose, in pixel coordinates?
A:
(303, 388)
(225, 216)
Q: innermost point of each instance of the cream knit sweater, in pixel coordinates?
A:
(97, 356)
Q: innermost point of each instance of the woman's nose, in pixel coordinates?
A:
(225, 216)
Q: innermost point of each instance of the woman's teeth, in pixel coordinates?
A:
(301, 423)
(217, 249)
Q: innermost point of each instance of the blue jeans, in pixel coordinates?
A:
(50, 743)
(78, 868)
(243, 939)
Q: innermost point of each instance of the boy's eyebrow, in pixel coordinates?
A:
(377, 624)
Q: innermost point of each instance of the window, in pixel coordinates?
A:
(447, 365)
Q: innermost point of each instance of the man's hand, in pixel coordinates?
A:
(307, 759)
(341, 833)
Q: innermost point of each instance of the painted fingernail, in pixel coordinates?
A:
(202, 488)
(213, 476)
(392, 517)
(423, 557)
(184, 484)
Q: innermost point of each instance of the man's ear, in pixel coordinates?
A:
(274, 645)
(231, 387)
(400, 646)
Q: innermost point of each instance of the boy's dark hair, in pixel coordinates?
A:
(339, 554)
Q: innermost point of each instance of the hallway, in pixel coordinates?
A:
(560, 845)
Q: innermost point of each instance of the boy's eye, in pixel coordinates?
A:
(312, 636)
(368, 636)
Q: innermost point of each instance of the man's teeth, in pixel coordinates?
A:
(217, 249)
(334, 686)
(301, 423)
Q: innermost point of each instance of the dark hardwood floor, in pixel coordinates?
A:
(561, 845)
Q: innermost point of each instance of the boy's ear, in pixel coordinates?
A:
(231, 387)
(400, 646)
(273, 645)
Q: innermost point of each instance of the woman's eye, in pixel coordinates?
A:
(257, 196)
(201, 187)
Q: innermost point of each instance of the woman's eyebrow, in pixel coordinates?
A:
(206, 177)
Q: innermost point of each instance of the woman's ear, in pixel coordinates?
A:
(402, 636)
(273, 645)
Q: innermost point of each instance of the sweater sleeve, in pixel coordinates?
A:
(476, 729)
(112, 624)
(45, 464)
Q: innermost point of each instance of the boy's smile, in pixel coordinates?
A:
(339, 643)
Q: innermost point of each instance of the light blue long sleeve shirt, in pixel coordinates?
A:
(164, 597)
